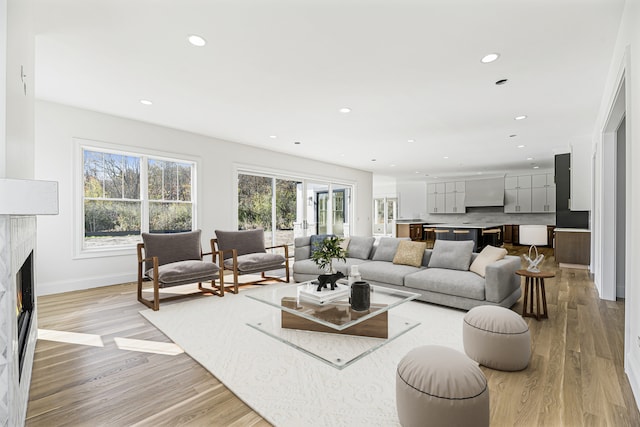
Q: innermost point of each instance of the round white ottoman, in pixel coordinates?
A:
(439, 386)
(497, 338)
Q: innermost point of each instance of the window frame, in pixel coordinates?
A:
(80, 251)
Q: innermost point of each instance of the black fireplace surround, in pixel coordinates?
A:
(24, 307)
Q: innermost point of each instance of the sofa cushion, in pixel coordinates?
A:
(445, 281)
(306, 266)
(410, 253)
(454, 255)
(256, 262)
(184, 272)
(360, 247)
(385, 272)
(386, 249)
(488, 255)
(344, 267)
(245, 241)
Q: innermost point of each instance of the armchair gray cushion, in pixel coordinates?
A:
(245, 242)
(172, 247)
(256, 262)
(183, 272)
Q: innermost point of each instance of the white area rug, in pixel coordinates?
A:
(286, 386)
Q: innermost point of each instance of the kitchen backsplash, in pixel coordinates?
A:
(479, 217)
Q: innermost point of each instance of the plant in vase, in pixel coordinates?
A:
(323, 254)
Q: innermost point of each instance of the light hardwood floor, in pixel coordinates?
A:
(575, 377)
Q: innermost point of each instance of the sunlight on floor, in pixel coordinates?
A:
(70, 337)
(144, 346)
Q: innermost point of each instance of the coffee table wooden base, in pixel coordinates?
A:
(376, 327)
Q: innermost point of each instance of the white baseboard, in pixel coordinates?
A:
(49, 288)
(632, 369)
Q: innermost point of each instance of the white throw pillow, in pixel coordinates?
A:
(488, 255)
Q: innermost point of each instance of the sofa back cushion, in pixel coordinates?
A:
(386, 249)
(245, 242)
(302, 248)
(172, 247)
(454, 255)
(360, 247)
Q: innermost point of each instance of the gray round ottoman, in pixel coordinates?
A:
(497, 338)
(439, 386)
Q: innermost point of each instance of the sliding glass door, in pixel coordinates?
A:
(287, 208)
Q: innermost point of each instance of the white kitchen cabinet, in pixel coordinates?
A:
(445, 197)
(543, 193)
(517, 200)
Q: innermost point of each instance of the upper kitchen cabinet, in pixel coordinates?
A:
(543, 193)
(446, 197)
(581, 163)
(517, 194)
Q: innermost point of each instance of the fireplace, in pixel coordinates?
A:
(24, 307)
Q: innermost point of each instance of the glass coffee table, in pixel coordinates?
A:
(332, 331)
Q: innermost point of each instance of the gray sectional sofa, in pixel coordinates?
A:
(454, 287)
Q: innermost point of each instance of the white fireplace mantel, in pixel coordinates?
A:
(28, 197)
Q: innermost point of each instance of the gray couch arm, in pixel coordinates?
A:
(501, 279)
(302, 248)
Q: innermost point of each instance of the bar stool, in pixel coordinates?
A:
(441, 234)
(491, 237)
(429, 237)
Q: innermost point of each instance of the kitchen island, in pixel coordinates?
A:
(481, 234)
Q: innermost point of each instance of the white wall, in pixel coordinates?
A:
(384, 186)
(57, 125)
(412, 199)
(625, 59)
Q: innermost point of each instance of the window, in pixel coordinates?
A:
(125, 194)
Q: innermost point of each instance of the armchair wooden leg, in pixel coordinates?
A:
(155, 304)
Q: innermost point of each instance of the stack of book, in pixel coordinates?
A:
(309, 293)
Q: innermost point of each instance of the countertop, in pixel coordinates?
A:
(574, 230)
(479, 226)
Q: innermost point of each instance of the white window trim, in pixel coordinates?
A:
(79, 251)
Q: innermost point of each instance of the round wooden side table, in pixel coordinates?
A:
(534, 290)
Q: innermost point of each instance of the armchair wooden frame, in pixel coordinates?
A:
(155, 303)
(237, 273)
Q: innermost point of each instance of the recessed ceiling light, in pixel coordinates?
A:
(520, 146)
(411, 140)
(536, 167)
(520, 117)
(297, 142)
(490, 58)
(529, 158)
(273, 136)
(501, 82)
(445, 157)
(418, 172)
(345, 110)
(435, 177)
(145, 102)
(392, 165)
(479, 173)
(197, 40)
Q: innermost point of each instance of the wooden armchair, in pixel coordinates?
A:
(244, 252)
(174, 259)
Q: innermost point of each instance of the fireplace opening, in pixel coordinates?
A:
(24, 308)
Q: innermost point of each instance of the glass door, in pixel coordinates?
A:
(384, 216)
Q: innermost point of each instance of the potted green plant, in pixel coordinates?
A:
(323, 253)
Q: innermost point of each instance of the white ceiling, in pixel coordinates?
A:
(408, 69)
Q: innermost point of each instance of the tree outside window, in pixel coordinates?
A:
(114, 207)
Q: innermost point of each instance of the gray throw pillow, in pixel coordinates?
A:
(360, 247)
(454, 255)
(245, 242)
(386, 249)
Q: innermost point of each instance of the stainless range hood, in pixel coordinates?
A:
(484, 192)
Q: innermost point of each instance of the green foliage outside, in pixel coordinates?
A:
(255, 201)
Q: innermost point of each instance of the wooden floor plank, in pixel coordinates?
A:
(575, 378)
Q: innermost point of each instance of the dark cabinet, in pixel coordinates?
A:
(410, 230)
(512, 234)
